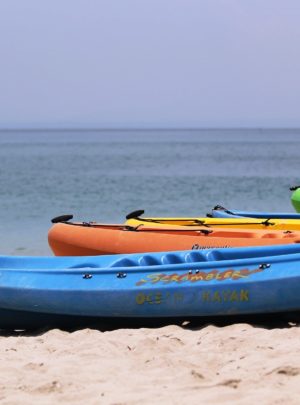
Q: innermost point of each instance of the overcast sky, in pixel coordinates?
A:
(149, 63)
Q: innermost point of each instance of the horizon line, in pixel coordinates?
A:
(102, 129)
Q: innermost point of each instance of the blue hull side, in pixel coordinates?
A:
(217, 282)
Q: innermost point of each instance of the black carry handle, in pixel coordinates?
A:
(61, 218)
(135, 214)
(219, 208)
(294, 188)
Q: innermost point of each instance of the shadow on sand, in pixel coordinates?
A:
(17, 323)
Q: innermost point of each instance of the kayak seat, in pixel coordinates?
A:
(214, 255)
(85, 266)
(171, 258)
(149, 260)
(124, 262)
(193, 257)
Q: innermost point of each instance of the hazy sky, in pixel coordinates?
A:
(156, 63)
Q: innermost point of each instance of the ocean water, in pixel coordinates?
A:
(103, 175)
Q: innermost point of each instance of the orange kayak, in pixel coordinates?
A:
(89, 239)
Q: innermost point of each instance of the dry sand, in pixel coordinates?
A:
(192, 364)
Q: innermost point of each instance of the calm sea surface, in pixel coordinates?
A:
(103, 175)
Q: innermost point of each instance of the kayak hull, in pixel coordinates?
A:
(226, 213)
(217, 282)
(67, 239)
(228, 222)
(295, 199)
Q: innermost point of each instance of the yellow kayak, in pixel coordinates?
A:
(135, 220)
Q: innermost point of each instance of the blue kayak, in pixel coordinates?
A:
(221, 212)
(212, 282)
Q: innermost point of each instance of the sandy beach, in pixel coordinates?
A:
(144, 110)
(173, 364)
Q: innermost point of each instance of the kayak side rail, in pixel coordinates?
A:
(118, 266)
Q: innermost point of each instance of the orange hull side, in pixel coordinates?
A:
(78, 240)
